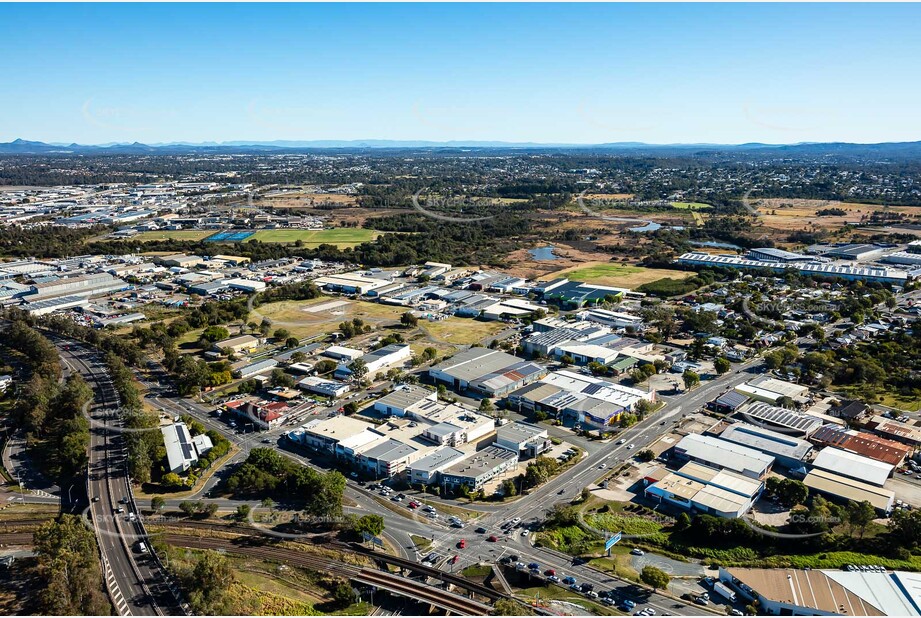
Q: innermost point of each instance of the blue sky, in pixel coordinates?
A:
(585, 73)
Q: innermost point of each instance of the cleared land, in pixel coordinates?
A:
(618, 275)
(690, 205)
(340, 237)
(461, 331)
(796, 214)
(299, 199)
(173, 235)
(297, 317)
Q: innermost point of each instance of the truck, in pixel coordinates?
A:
(724, 590)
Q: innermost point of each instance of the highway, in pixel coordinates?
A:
(137, 584)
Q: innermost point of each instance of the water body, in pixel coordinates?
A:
(651, 226)
(543, 253)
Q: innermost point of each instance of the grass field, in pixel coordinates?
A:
(690, 205)
(291, 315)
(341, 237)
(619, 275)
(461, 331)
(173, 235)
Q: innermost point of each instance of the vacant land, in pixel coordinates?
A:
(618, 275)
(796, 214)
(193, 235)
(461, 331)
(299, 199)
(297, 317)
(690, 205)
(340, 237)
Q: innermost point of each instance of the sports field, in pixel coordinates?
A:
(341, 237)
(617, 275)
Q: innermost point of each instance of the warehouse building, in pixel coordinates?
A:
(862, 443)
(248, 370)
(450, 423)
(341, 353)
(245, 285)
(771, 390)
(853, 466)
(378, 360)
(698, 497)
(86, 285)
(895, 430)
(385, 458)
(327, 388)
(402, 398)
(491, 372)
(723, 454)
(350, 283)
(780, 419)
(237, 345)
(788, 452)
(50, 305)
(891, 276)
(770, 254)
(842, 489)
(324, 434)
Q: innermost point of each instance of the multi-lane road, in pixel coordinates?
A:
(136, 583)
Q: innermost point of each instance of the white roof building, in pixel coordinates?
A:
(853, 466)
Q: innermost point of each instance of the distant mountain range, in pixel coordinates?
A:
(894, 149)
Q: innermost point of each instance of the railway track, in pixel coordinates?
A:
(16, 538)
(441, 598)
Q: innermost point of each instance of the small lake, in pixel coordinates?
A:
(651, 226)
(543, 253)
(713, 243)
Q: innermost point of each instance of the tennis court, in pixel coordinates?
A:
(230, 236)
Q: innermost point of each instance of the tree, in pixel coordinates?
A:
(486, 405)
(690, 379)
(567, 360)
(683, 522)
(298, 357)
(859, 515)
(370, 524)
(208, 585)
(188, 508)
(157, 503)
(343, 594)
(282, 379)
(243, 511)
(409, 320)
(645, 455)
(215, 333)
(654, 577)
(509, 488)
(281, 334)
(291, 342)
(359, 369)
(68, 568)
(722, 365)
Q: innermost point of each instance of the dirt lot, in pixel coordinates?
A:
(796, 214)
(305, 200)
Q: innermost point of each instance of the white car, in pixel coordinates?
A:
(629, 446)
(602, 466)
(525, 532)
(621, 441)
(636, 551)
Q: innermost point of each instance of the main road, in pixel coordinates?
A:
(137, 584)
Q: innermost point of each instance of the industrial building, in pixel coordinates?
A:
(182, 450)
(378, 360)
(478, 469)
(879, 274)
(788, 452)
(782, 420)
(895, 430)
(341, 353)
(842, 488)
(426, 470)
(237, 345)
(853, 466)
(86, 285)
(771, 390)
(700, 489)
(862, 443)
(493, 373)
(523, 439)
(402, 398)
(350, 283)
(722, 454)
(321, 386)
(248, 370)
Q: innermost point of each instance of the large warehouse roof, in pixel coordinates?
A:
(724, 454)
(835, 485)
(853, 465)
(474, 363)
(767, 441)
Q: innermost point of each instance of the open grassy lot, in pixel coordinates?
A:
(174, 235)
(461, 331)
(690, 205)
(292, 315)
(341, 237)
(543, 594)
(618, 275)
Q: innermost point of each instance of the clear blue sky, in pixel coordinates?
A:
(516, 72)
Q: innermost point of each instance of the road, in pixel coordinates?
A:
(137, 584)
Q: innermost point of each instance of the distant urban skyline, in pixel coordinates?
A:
(546, 73)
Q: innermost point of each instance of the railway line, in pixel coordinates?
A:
(258, 548)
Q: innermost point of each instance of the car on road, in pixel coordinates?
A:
(119, 510)
(621, 441)
(481, 530)
(629, 446)
(553, 578)
(590, 594)
(455, 559)
(525, 532)
(462, 544)
(549, 572)
(569, 580)
(636, 551)
(95, 498)
(735, 612)
(534, 566)
(492, 538)
(701, 601)
(603, 466)
(627, 605)
(267, 441)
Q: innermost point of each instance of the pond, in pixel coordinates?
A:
(543, 253)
